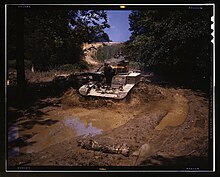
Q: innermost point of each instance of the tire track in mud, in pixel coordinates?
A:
(177, 114)
(182, 142)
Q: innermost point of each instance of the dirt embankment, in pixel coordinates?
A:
(162, 126)
(90, 51)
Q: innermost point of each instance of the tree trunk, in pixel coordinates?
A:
(21, 83)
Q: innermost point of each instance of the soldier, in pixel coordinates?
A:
(109, 73)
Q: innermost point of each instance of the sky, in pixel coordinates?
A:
(118, 20)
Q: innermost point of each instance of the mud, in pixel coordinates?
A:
(158, 124)
(177, 113)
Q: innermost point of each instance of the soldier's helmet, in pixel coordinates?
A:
(106, 63)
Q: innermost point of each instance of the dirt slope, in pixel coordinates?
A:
(90, 52)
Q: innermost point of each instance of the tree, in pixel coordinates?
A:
(90, 24)
(50, 37)
(15, 46)
(172, 41)
(54, 37)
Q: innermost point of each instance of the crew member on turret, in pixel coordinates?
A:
(109, 73)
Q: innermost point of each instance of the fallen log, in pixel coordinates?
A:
(113, 149)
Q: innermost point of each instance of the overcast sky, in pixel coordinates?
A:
(118, 19)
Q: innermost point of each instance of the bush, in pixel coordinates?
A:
(107, 52)
(28, 63)
(81, 65)
(12, 64)
(66, 67)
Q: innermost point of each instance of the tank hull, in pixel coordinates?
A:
(119, 89)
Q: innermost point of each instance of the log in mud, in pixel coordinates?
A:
(113, 149)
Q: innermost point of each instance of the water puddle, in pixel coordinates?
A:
(13, 135)
(13, 152)
(80, 127)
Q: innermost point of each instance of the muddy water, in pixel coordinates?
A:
(66, 123)
(13, 136)
(13, 133)
(103, 118)
(33, 139)
(80, 127)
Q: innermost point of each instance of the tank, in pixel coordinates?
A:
(121, 84)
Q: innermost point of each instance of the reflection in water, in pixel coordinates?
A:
(80, 128)
(17, 144)
(13, 133)
(12, 136)
(13, 152)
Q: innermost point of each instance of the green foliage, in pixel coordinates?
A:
(54, 37)
(89, 25)
(107, 52)
(28, 63)
(79, 66)
(173, 41)
(12, 64)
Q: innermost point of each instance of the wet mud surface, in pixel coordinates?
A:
(161, 126)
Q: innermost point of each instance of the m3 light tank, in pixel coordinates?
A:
(122, 81)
